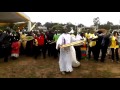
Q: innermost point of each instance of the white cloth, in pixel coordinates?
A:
(78, 37)
(75, 63)
(66, 58)
(15, 55)
(119, 39)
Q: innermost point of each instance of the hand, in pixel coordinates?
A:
(90, 39)
(60, 46)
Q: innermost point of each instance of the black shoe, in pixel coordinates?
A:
(5, 61)
(102, 61)
(35, 57)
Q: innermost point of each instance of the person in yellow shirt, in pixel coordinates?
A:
(114, 46)
(23, 42)
(91, 43)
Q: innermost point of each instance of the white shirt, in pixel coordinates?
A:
(78, 37)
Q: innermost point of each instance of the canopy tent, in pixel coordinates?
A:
(4, 24)
(13, 17)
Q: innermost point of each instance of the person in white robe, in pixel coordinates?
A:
(66, 58)
(75, 62)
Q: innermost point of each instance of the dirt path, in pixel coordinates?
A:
(27, 67)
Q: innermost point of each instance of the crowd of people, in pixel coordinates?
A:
(48, 44)
(32, 43)
(96, 44)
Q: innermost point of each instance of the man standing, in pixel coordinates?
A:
(104, 46)
(5, 46)
(78, 47)
(55, 38)
(65, 60)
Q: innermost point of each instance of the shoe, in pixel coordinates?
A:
(63, 73)
(102, 61)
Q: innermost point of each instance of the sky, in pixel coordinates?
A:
(76, 18)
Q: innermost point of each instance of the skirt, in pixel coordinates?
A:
(84, 51)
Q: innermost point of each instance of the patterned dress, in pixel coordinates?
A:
(84, 49)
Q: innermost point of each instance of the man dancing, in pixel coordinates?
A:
(66, 58)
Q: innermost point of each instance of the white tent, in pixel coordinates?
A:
(72, 31)
(13, 17)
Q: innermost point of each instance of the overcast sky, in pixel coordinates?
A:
(85, 18)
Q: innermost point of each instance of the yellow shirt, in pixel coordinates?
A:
(113, 43)
(23, 37)
(92, 43)
(86, 34)
(89, 35)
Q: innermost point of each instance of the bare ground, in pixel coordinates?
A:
(28, 67)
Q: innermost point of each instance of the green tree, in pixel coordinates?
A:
(49, 25)
(81, 25)
(96, 22)
(57, 27)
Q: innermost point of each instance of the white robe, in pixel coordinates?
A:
(66, 57)
(75, 63)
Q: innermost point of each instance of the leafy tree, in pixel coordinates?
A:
(69, 25)
(48, 25)
(38, 24)
(109, 23)
(96, 22)
(57, 27)
(81, 25)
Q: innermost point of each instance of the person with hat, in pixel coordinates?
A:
(104, 46)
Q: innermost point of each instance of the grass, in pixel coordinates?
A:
(28, 67)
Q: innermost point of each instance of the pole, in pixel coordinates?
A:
(29, 25)
(118, 24)
(110, 27)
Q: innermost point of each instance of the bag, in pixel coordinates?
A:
(41, 40)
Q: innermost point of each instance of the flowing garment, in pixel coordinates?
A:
(66, 54)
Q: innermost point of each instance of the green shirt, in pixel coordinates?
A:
(55, 37)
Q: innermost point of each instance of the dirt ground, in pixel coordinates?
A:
(28, 67)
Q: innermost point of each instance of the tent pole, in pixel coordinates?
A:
(29, 25)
